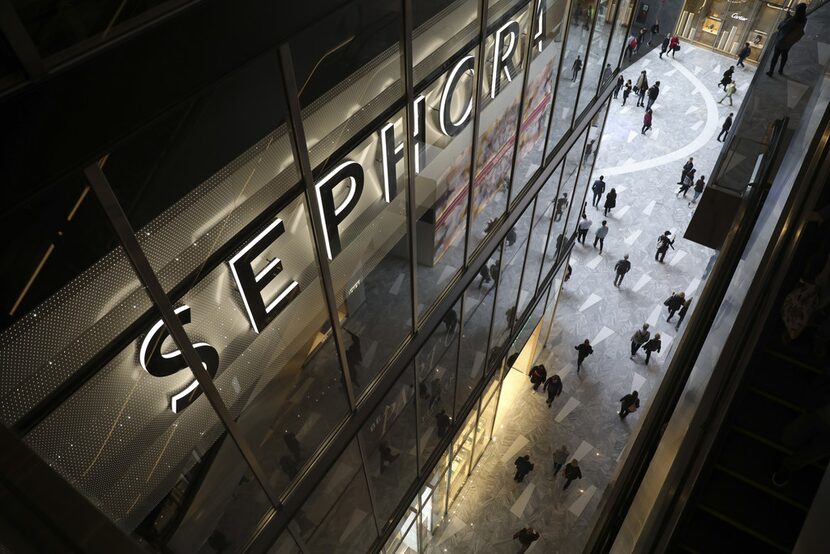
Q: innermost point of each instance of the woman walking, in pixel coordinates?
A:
(610, 201)
(646, 121)
(626, 91)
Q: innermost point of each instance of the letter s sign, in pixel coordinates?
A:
(160, 364)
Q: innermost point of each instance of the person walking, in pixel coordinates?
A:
(600, 235)
(561, 204)
(744, 54)
(598, 188)
(727, 77)
(653, 93)
(619, 85)
(655, 30)
(652, 345)
(700, 184)
(688, 181)
(641, 87)
(674, 45)
(485, 276)
(630, 46)
(523, 467)
(674, 303)
(687, 167)
(526, 536)
(682, 313)
(583, 351)
(730, 90)
(606, 74)
(622, 267)
(789, 32)
(560, 456)
(646, 121)
(641, 39)
(450, 321)
(610, 201)
(572, 472)
(582, 229)
(665, 46)
(538, 375)
(639, 338)
(663, 245)
(626, 91)
(553, 386)
(724, 130)
(629, 403)
(577, 67)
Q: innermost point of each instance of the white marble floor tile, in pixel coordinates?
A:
(513, 452)
(569, 406)
(518, 508)
(581, 502)
(590, 301)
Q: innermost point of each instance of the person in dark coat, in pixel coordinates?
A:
(629, 403)
(653, 93)
(450, 321)
(523, 467)
(584, 350)
(688, 180)
(641, 39)
(727, 124)
(682, 312)
(610, 201)
(598, 188)
(646, 121)
(442, 421)
(620, 269)
(665, 46)
(700, 184)
(744, 54)
(674, 303)
(538, 374)
(526, 537)
(560, 456)
(789, 32)
(641, 87)
(485, 275)
(652, 345)
(639, 338)
(687, 167)
(619, 85)
(663, 245)
(553, 386)
(626, 91)
(572, 472)
(727, 77)
(655, 30)
(577, 67)
(561, 204)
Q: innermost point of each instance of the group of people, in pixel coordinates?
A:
(687, 176)
(646, 95)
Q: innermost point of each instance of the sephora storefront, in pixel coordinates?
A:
(351, 230)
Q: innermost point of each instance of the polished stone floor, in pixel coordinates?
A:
(644, 170)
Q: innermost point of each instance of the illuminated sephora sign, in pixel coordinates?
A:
(337, 194)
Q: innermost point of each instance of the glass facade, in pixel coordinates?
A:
(310, 295)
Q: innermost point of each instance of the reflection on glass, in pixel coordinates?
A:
(441, 30)
(561, 204)
(570, 174)
(500, 96)
(510, 275)
(542, 219)
(442, 185)
(364, 205)
(484, 427)
(478, 312)
(595, 69)
(434, 500)
(404, 539)
(388, 441)
(436, 371)
(620, 35)
(285, 545)
(462, 453)
(538, 97)
(573, 63)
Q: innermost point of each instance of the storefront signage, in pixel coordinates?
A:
(251, 282)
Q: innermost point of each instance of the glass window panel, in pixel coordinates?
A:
(484, 427)
(497, 126)
(620, 35)
(443, 183)
(388, 440)
(570, 178)
(8, 60)
(404, 539)
(462, 453)
(515, 246)
(478, 313)
(337, 515)
(594, 69)
(546, 335)
(285, 545)
(434, 499)
(436, 371)
(348, 72)
(194, 181)
(561, 204)
(498, 9)
(579, 29)
(441, 30)
(538, 98)
(370, 267)
(542, 217)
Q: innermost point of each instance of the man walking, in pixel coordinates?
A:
(687, 183)
(523, 467)
(577, 67)
(598, 188)
(646, 121)
(700, 184)
(641, 87)
(560, 456)
(727, 77)
(621, 268)
(538, 374)
(653, 93)
(629, 403)
(652, 345)
(572, 472)
(561, 204)
(724, 130)
(655, 30)
(663, 245)
(790, 31)
(730, 90)
(583, 351)
(674, 303)
(526, 537)
(582, 229)
(600, 235)
(682, 313)
(639, 338)
(619, 85)
(665, 46)
(687, 167)
(610, 201)
(743, 54)
(553, 386)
